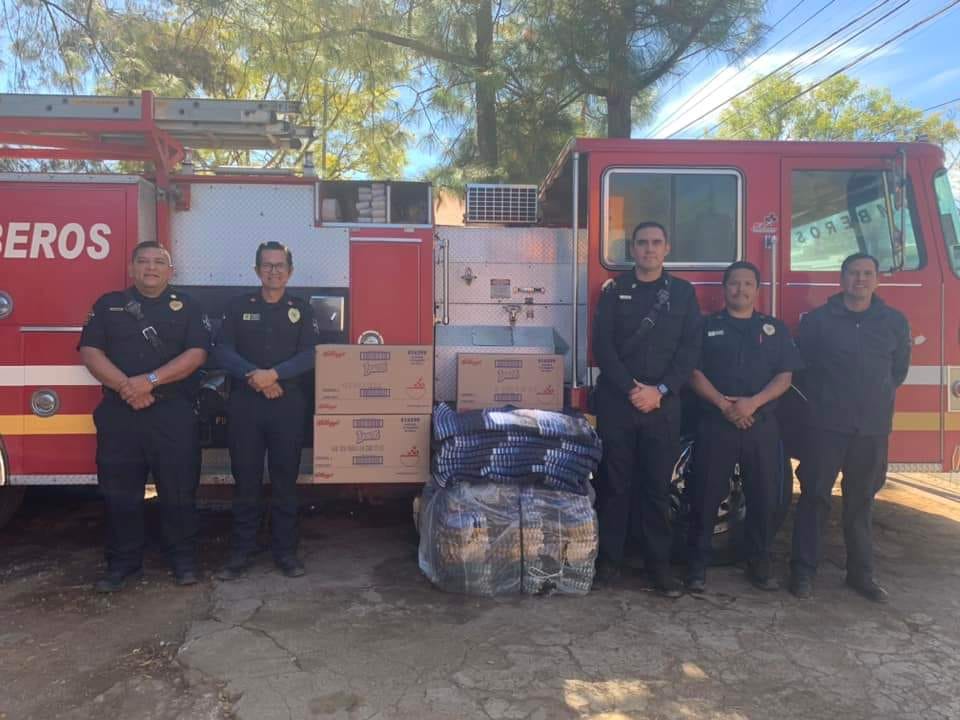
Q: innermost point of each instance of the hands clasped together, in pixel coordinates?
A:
(266, 382)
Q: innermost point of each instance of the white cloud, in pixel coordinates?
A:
(722, 85)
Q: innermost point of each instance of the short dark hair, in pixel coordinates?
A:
(148, 245)
(649, 224)
(274, 245)
(847, 261)
(741, 265)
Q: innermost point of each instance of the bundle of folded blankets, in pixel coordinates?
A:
(510, 505)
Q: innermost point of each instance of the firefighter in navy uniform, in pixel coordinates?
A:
(856, 349)
(646, 342)
(144, 344)
(266, 343)
(746, 364)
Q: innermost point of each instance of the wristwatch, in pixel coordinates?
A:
(153, 378)
(663, 389)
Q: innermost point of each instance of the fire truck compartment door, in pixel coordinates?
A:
(62, 245)
(388, 290)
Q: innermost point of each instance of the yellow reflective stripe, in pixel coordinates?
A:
(924, 422)
(56, 425)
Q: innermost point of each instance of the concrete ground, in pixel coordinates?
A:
(365, 636)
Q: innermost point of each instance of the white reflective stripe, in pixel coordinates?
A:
(55, 375)
(924, 375)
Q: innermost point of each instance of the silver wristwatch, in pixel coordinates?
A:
(153, 378)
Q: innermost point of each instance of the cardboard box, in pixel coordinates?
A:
(492, 380)
(375, 379)
(371, 448)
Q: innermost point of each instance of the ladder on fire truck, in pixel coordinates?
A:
(144, 128)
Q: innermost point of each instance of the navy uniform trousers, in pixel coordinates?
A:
(863, 461)
(258, 426)
(163, 440)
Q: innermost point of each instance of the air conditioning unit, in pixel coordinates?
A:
(503, 204)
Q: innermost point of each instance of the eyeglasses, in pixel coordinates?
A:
(274, 267)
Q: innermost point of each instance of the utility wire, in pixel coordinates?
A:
(739, 57)
(781, 67)
(666, 121)
(929, 18)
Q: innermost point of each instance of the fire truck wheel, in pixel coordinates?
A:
(728, 530)
(10, 498)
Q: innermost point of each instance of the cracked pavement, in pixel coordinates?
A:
(364, 636)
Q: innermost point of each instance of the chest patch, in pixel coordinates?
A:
(294, 314)
(251, 316)
(626, 297)
(769, 329)
(714, 333)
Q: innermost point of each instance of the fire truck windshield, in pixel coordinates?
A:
(949, 218)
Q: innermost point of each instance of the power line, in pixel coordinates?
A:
(781, 67)
(943, 104)
(666, 121)
(846, 40)
(742, 54)
(864, 56)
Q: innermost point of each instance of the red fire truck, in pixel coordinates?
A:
(521, 275)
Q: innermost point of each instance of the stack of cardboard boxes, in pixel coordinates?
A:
(372, 414)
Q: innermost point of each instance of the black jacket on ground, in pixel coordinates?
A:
(667, 354)
(854, 364)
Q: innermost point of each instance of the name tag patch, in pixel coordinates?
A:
(626, 297)
(714, 333)
(251, 316)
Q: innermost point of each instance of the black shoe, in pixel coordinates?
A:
(869, 589)
(235, 568)
(607, 574)
(696, 580)
(185, 577)
(291, 567)
(758, 574)
(666, 585)
(115, 580)
(801, 586)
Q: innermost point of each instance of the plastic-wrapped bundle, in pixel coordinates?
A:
(493, 539)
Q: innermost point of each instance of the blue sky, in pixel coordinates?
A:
(921, 69)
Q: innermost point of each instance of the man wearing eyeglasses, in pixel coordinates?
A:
(266, 344)
(142, 344)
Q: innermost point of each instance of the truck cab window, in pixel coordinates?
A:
(840, 212)
(949, 219)
(701, 209)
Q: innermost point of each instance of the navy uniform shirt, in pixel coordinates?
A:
(666, 354)
(176, 318)
(257, 335)
(741, 356)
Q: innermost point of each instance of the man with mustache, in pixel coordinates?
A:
(746, 364)
(143, 344)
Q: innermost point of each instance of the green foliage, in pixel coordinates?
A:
(224, 49)
(839, 109)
